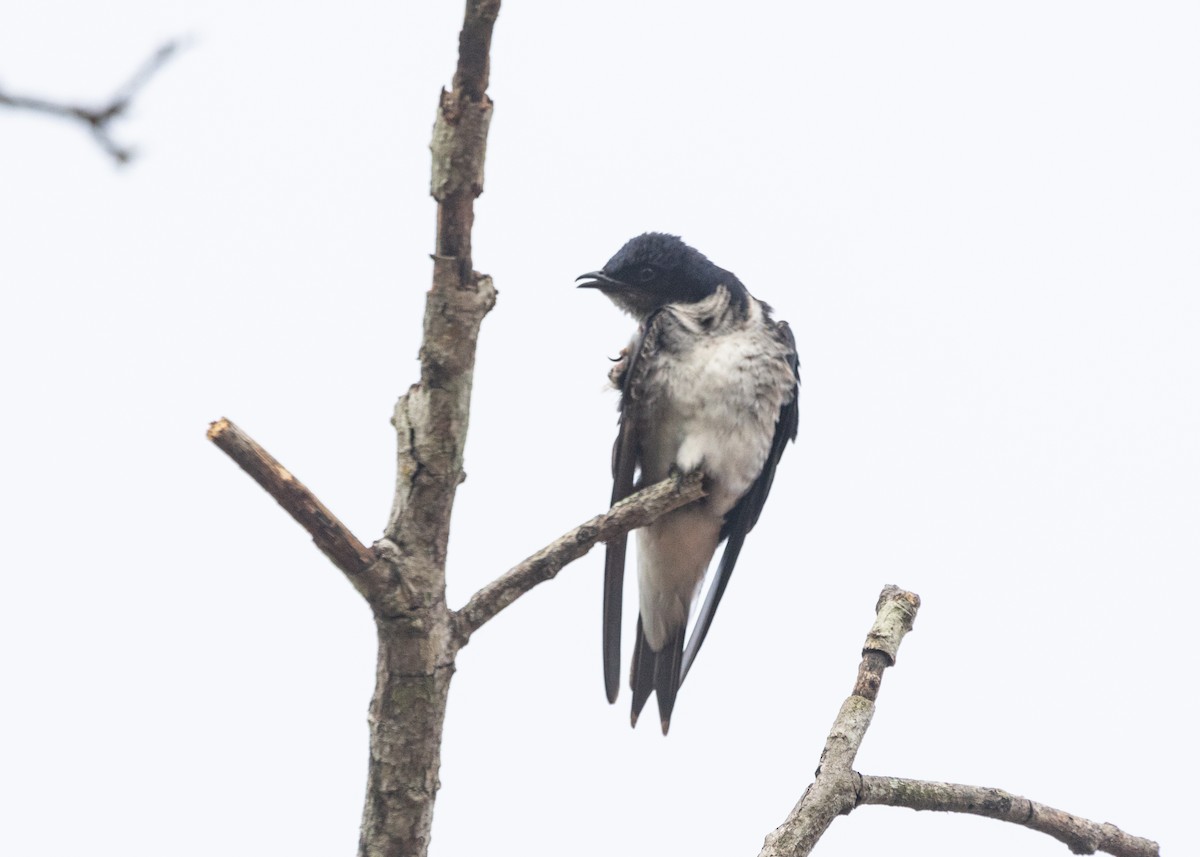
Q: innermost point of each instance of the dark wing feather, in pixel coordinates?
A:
(624, 458)
(624, 465)
(741, 518)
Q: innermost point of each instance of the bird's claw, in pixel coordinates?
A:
(677, 473)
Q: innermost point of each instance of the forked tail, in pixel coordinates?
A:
(660, 672)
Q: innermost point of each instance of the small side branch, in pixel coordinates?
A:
(99, 119)
(1078, 834)
(833, 793)
(330, 534)
(634, 511)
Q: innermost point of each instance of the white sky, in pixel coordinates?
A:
(981, 221)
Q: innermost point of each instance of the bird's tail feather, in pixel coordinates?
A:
(641, 673)
(658, 672)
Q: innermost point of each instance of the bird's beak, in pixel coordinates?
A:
(598, 280)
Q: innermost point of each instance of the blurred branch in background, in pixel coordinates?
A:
(99, 119)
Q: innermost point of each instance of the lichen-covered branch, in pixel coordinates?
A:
(431, 419)
(634, 511)
(833, 793)
(99, 119)
(838, 789)
(416, 643)
(1078, 834)
(460, 135)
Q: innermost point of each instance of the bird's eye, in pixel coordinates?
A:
(646, 274)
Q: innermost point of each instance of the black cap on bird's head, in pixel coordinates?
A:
(656, 269)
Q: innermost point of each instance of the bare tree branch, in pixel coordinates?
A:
(330, 534)
(832, 793)
(634, 511)
(99, 119)
(838, 789)
(1078, 834)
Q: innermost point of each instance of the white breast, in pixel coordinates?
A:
(712, 403)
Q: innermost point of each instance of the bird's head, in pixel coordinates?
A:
(656, 269)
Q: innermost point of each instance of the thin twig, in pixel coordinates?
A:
(634, 511)
(1078, 834)
(330, 534)
(99, 119)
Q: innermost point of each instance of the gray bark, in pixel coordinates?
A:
(838, 789)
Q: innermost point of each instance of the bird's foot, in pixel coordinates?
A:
(678, 474)
(616, 375)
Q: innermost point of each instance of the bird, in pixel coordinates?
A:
(709, 381)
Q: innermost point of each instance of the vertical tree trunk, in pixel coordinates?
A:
(407, 711)
(417, 644)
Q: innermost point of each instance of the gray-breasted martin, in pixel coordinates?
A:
(710, 382)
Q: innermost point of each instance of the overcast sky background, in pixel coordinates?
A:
(981, 221)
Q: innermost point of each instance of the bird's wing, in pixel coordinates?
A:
(624, 465)
(741, 518)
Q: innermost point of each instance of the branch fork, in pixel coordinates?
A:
(838, 789)
(99, 120)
